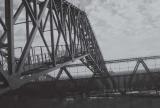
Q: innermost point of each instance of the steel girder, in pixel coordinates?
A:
(129, 80)
(132, 59)
(72, 27)
(88, 87)
(122, 60)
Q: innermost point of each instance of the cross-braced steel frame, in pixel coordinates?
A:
(144, 79)
(138, 81)
(68, 25)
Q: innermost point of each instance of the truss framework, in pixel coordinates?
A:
(133, 80)
(73, 30)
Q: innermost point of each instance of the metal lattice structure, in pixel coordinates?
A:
(136, 75)
(64, 35)
(70, 34)
(142, 79)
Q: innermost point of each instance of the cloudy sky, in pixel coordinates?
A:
(124, 28)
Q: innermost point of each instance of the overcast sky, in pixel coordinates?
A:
(124, 28)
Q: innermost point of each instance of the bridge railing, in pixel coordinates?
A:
(39, 56)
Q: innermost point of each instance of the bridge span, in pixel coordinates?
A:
(133, 80)
(46, 44)
(64, 36)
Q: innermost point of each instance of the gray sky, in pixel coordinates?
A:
(124, 28)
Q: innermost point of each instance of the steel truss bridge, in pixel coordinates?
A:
(65, 37)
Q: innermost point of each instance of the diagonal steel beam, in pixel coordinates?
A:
(67, 72)
(59, 74)
(32, 34)
(60, 27)
(3, 24)
(3, 36)
(69, 75)
(133, 74)
(18, 12)
(149, 72)
(45, 22)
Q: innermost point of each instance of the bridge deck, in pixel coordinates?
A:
(88, 86)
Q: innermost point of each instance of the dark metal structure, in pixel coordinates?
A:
(66, 36)
(143, 75)
(70, 34)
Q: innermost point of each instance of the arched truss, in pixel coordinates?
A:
(70, 38)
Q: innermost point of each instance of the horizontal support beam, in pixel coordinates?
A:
(37, 75)
(132, 59)
(120, 60)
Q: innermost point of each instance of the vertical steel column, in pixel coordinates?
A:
(10, 35)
